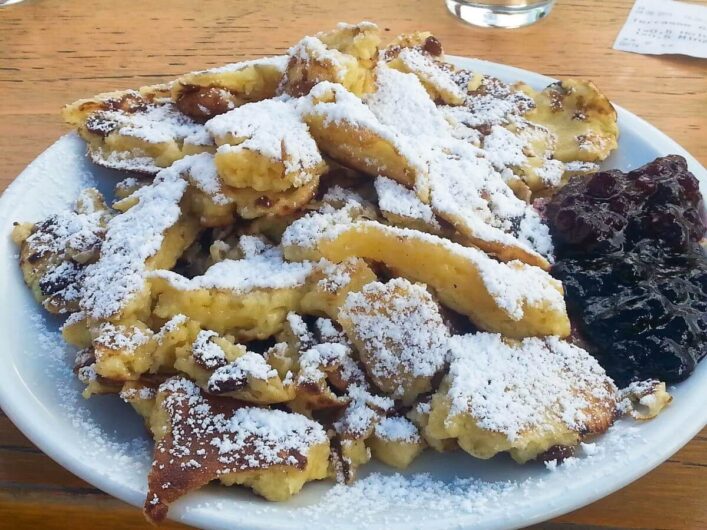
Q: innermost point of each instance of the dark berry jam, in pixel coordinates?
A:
(611, 210)
(635, 275)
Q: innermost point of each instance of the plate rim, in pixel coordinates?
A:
(37, 433)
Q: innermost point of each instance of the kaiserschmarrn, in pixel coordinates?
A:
(273, 286)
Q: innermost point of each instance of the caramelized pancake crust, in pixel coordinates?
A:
(201, 438)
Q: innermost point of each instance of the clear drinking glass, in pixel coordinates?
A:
(500, 13)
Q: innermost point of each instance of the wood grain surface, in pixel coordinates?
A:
(55, 51)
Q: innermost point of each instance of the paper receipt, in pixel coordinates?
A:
(664, 26)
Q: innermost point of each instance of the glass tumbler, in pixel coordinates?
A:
(500, 13)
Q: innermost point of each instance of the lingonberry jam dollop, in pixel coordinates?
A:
(634, 272)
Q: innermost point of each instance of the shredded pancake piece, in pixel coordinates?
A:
(248, 297)
(135, 242)
(399, 334)
(207, 93)
(514, 298)
(140, 131)
(396, 441)
(201, 438)
(402, 207)
(525, 397)
(644, 400)
(265, 146)
(435, 74)
(348, 131)
(345, 55)
(402, 103)
(55, 252)
(469, 194)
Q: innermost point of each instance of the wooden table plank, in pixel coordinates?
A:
(59, 510)
(54, 51)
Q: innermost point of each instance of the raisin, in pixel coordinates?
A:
(433, 46)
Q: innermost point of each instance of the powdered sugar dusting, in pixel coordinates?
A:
(132, 238)
(397, 429)
(325, 223)
(247, 438)
(155, 123)
(139, 393)
(431, 72)
(362, 414)
(206, 352)
(336, 275)
(272, 128)
(396, 199)
(491, 103)
(249, 365)
(124, 160)
(120, 337)
(328, 332)
(551, 172)
(401, 102)
(468, 193)
(396, 498)
(338, 196)
(319, 357)
(203, 175)
(400, 326)
(503, 148)
(68, 232)
(128, 457)
(311, 48)
(264, 268)
(578, 165)
(278, 62)
(413, 499)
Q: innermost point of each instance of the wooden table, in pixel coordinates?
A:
(55, 51)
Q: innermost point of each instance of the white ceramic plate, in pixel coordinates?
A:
(102, 441)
